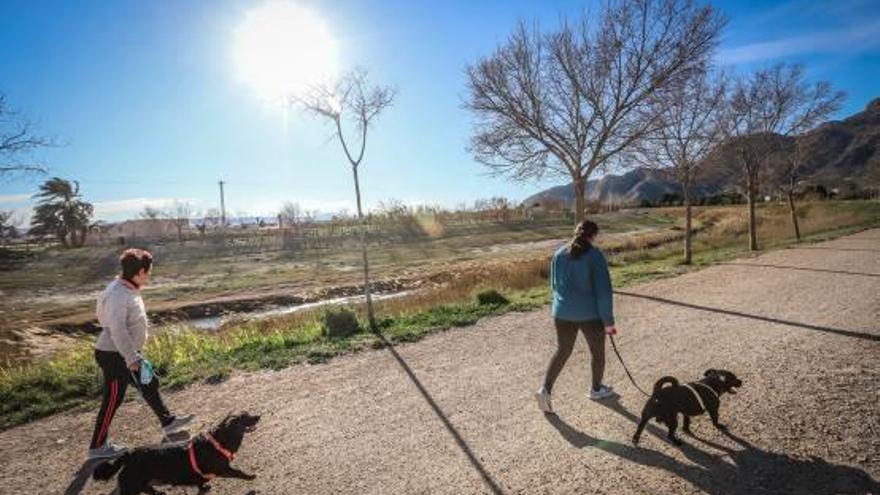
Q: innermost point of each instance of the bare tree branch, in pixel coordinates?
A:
(765, 108)
(17, 141)
(567, 102)
(351, 101)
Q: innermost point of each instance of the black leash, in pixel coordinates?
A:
(636, 385)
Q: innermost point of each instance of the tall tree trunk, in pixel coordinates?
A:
(580, 206)
(753, 230)
(62, 236)
(370, 315)
(686, 193)
(791, 206)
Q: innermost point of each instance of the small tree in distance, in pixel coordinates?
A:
(62, 212)
(150, 213)
(351, 101)
(691, 125)
(766, 107)
(180, 215)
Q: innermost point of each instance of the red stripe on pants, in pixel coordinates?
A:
(108, 413)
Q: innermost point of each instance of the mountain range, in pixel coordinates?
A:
(835, 154)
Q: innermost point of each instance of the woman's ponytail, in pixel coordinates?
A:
(583, 236)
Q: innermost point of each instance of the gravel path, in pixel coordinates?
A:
(454, 412)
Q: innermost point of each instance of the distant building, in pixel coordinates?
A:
(147, 228)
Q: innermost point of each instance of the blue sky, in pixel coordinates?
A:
(146, 102)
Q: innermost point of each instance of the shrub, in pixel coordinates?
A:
(491, 297)
(340, 323)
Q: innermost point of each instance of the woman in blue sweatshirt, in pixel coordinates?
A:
(582, 301)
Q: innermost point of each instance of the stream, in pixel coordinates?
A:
(216, 321)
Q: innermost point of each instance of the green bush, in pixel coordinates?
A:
(491, 297)
(340, 323)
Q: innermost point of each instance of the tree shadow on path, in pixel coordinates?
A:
(490, 482)
(855, 250)
(752, 471)
(807, 326)
(81, 477)
(805, 269)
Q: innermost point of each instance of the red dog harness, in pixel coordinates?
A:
(195, 465)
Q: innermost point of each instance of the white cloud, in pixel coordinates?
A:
(13, 198)
(851, 40)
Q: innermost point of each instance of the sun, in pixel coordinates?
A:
(281, 49)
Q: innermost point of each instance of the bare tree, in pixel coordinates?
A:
(17, 141)
(212, 219)
(770, 103)
(809, 105)
(291, 214)
(150, 213)
(691, 125)
(9, 224)
(351, 102)
(568, 102)
(180, 215)
(872, 176)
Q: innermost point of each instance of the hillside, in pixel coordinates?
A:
(837, 154)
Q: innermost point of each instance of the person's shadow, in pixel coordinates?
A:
(81, 477)
(753, 471)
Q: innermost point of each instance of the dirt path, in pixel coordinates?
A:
(454, 413)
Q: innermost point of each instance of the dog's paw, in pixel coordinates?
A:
(676, 441)
(721, 427)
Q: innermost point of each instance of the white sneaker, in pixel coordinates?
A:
(543, 398)
(107, 451)
(603, 392)
(177, 424)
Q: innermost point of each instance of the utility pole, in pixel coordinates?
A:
(222, 206)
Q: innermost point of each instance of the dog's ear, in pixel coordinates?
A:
(710, 372)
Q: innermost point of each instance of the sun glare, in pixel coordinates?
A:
(282, 48)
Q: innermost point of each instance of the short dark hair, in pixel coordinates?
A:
(135, 260)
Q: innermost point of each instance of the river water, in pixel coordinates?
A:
(215, 322)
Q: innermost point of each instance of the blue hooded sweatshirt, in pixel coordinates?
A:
(581, 287)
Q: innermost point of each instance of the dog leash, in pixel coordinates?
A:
(636, 385)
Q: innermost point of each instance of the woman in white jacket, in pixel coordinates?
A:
(123, 321)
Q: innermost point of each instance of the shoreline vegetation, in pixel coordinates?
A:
(183, 356)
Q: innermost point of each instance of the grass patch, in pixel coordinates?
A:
(183, 356)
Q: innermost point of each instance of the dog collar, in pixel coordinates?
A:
(219, 448)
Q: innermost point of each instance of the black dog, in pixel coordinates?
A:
(194, 463)
(690, 400)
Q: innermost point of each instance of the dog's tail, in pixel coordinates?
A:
(663, 381)
(109, 469)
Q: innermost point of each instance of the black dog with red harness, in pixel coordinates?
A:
(194, 463)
